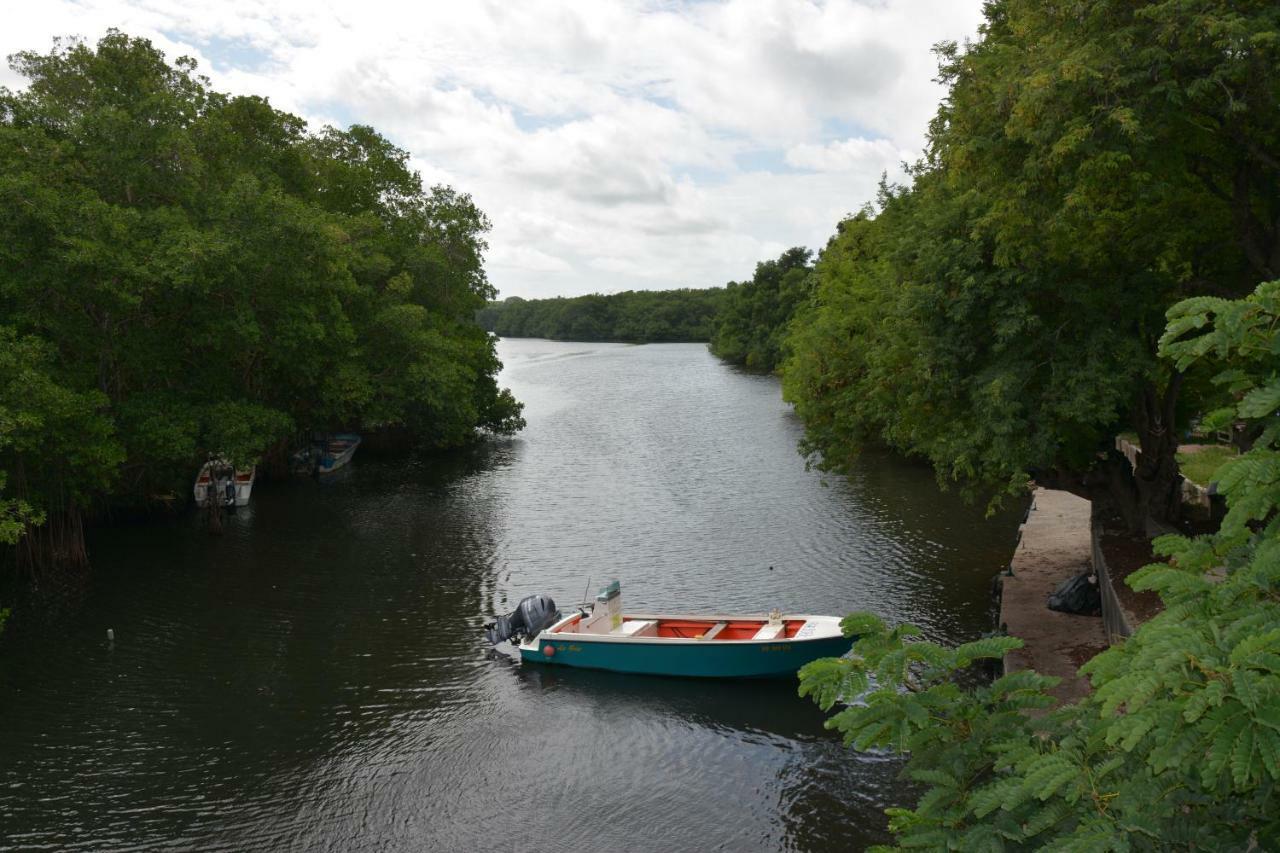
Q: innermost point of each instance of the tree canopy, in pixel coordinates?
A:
(185, 273)
(1005, 315)
(1089, 166)
(633, 316)
(1178, 746)
(753, 319)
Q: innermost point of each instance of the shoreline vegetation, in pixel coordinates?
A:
(1089, 246)
(744, 323)
(634, 316)
(186, 274)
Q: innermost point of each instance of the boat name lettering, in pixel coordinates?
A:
(783, 647)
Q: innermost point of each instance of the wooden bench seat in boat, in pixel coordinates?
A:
(770, 632)
(713, 630)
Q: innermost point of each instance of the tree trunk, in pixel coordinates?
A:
(1116, 488)
(213, 513)
(56, 544)
(1147, 492)
(1158, 480)
(275, 464)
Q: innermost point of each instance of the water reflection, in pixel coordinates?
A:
(760, 709)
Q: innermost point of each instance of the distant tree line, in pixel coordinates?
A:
(186, 273)
(633, 316)
(744, 322)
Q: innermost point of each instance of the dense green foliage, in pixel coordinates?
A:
(639, 316)
(744, 323)
(183, 272)
(753, 319)
(1090, 165)
(1178, 747)
(1005, 316)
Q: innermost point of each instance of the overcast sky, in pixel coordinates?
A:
(615, 146)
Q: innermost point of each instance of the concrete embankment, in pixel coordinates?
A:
(1055, 544)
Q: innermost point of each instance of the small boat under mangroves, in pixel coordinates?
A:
(220, 483)
(326, 454)
(337, 451)
(714, 646)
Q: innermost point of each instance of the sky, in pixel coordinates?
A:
(615, 146)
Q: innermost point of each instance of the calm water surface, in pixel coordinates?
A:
(315, 679)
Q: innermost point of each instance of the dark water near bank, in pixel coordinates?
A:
(315, 679)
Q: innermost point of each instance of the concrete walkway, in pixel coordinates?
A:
(1055, 545)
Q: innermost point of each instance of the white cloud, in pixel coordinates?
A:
(614, 145)
(848, 155)
(506, 256)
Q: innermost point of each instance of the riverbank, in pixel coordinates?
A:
(1054, 545)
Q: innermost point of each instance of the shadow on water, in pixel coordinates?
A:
(748, 708)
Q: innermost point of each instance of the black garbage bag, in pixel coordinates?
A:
(1079, 594)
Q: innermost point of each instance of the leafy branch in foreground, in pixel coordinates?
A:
(1178, 747)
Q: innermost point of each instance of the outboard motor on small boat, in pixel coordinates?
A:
(531, 615)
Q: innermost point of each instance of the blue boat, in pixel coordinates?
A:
(337, 451)
(706, 646)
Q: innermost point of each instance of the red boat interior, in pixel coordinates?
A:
(697, 629)
(241, 477)
(738, 629)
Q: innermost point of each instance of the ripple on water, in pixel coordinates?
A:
(314, 679)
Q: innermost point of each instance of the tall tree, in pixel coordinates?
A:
(1178, 747)
(191, 273)
(753, 321)
(1074, 185)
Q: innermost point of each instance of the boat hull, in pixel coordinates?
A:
(332, 458)
(209, 487)
(741, 659)
(244, 490)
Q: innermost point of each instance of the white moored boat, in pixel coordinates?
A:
(219, 482)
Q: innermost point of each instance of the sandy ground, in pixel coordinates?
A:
(1054, 546)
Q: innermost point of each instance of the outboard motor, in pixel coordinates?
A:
(530, 616)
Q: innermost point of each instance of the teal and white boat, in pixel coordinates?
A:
(714, 646)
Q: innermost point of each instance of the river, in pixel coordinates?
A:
(315, 678)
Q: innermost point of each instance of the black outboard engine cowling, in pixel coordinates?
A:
(531, 615)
